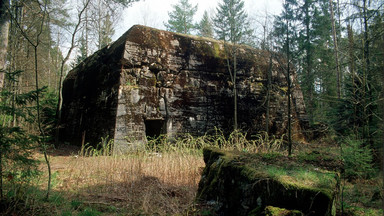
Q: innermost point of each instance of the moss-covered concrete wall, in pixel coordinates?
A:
(90, 96)
(173, 84)
(235, 183)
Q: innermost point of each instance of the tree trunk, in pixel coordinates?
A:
(35, 44)
(269, 89)
(336, 51)
(351, 60)
(86, 32)
(232, 75)
(4, 29)
(382, 123)
(308, 61)
(289, 90)
(289, 109)
(235, 126)
(366, 77)
(1, 175)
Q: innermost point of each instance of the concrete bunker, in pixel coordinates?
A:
(152, 82)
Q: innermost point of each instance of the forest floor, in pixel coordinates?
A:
(145, 183)
(137, 184)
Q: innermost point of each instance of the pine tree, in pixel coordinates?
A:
(231, 25)
(286, 40)
(362, 85)
(282, 27)
(205, 26)
(231, 22)
(107, 31)
(310, 35)
(305, 14)
(16, 144)
(82, 51)
(181, 18)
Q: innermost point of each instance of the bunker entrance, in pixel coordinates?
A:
(154, 128)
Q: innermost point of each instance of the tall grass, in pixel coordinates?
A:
(145, 182)
(104, 148)
(235, 141)
(160, 179)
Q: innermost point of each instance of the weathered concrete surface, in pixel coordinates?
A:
(239, 184)
(150, 82)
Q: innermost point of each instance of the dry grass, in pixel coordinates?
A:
(157, 181)
(142, 183)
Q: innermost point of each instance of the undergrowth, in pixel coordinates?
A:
(161, 179)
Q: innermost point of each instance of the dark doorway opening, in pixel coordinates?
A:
(154, 128)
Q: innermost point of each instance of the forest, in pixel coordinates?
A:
(334, 47)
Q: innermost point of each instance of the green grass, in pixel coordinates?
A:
(89, 212)
(298, 175)
(363, 197)
(75, 204)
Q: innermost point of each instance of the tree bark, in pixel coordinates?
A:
(382, 123)
(336, 51)
(308, 61)
(289, 90)
(269, 89)
(366, 78)
(1, 176)
(351, 60)
(4, 29)
(235, 125)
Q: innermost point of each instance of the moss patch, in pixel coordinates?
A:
(275, 211)
(239, 182)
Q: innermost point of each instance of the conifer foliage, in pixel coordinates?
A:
(231, 25)
(231, 21)
(205, 26)
(181, 18)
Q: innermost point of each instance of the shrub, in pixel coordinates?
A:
(17, 165)
(357, 159)
(48, 103)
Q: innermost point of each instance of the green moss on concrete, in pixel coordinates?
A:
(275, 211)
(241, 179)
(217, 52)
(308, 178)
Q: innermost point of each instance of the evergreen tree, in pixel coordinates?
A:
(310, 35)
(16, 145)
(304, 17)
(107, 31)
(283, 32)
(324, 64)
(231, 24)
(181, 18)
(205, 26)
(82, 51)
(282, 27)
(360, 110)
